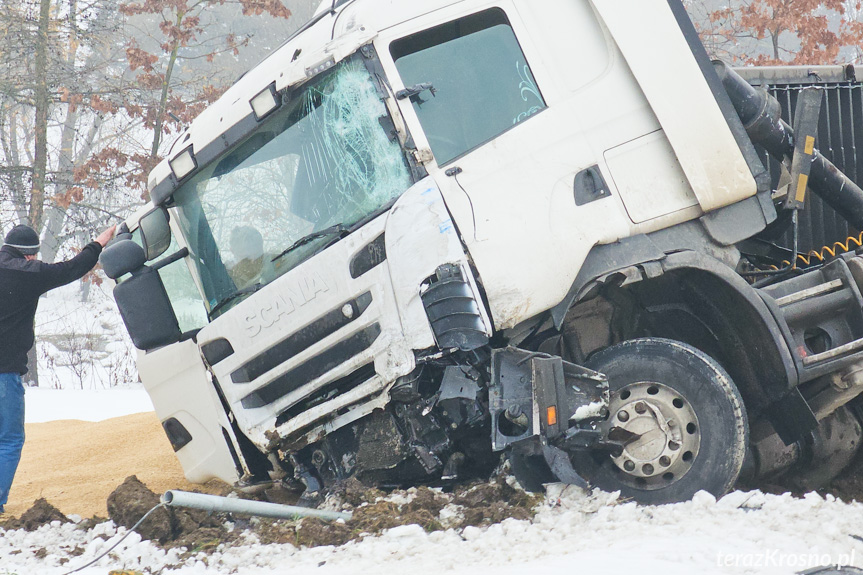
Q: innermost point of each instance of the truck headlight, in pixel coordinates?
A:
(265, 102)
(183, 163)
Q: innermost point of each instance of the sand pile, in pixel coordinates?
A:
(75, 465)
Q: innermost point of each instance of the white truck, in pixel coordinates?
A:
(422, 235)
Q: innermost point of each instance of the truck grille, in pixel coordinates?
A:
(302, 339)
(327, 392)
(313, 368)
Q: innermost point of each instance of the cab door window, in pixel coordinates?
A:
(185, 297)
(480, 82)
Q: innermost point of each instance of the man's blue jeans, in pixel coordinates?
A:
(11, 429)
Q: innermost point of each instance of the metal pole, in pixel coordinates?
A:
(241, 506)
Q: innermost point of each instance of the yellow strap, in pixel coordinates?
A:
(801, 188)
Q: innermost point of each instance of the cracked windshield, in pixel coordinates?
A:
(322, 164)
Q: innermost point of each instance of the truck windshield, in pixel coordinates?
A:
(323, 161)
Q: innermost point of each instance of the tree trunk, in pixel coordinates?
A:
(55, 215)
(775, 38)
(15, 177)
(163, 100)
(42, 102)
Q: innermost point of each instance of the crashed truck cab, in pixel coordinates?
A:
(405, 189)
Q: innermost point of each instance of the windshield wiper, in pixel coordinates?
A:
(239, 293)
(339, 229)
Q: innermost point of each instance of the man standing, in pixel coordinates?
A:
(23, 279)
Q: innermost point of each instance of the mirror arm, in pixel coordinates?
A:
(178, 255)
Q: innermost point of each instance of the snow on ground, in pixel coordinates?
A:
(87, 405)
(82, 342)
(573, 533)
(86, 360)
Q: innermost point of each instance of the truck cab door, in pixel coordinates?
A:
(514, 128)
(178, 383)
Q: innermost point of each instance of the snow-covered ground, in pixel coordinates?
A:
(86, 360)
(83, 344)
(87, 405)
(574, 532)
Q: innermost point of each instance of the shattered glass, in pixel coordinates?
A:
(359, 168)
(322, 159)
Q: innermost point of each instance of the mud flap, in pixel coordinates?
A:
(559, 463)
(543, 405)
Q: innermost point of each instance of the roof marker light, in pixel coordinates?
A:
(313, 71)
(265, 102)
(183, 163)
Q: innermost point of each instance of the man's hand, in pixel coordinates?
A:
(106, 236)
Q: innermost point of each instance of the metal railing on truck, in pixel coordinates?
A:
(839, 139)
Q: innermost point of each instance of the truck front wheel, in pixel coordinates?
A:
(679, 418)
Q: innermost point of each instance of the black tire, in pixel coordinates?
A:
(694, 393)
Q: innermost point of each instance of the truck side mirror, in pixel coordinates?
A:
(122, 257)
(143, 302)
(155, 232)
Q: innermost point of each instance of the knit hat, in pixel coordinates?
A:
(24, 239)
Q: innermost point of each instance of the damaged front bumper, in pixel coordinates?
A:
(543, 405)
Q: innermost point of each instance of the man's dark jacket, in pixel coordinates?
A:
(22, 281)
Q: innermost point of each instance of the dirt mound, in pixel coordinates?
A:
(355, 493)
(132, 500)
(42, 513)
(373, 511)
(493, 502)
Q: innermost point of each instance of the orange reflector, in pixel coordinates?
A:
(551, 415)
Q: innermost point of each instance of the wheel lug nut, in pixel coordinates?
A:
(647, 469)
(673, 445)
(623, 415)
(640, 407)
(665, 461)
(628, 465)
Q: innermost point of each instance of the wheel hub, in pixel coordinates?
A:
(659, 432)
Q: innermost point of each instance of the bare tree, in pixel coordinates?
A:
(175, 41)
(801, 32)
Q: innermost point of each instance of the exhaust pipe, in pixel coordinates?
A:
(213, 503)
(760, 114)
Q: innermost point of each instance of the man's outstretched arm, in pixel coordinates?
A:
(62, 273)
